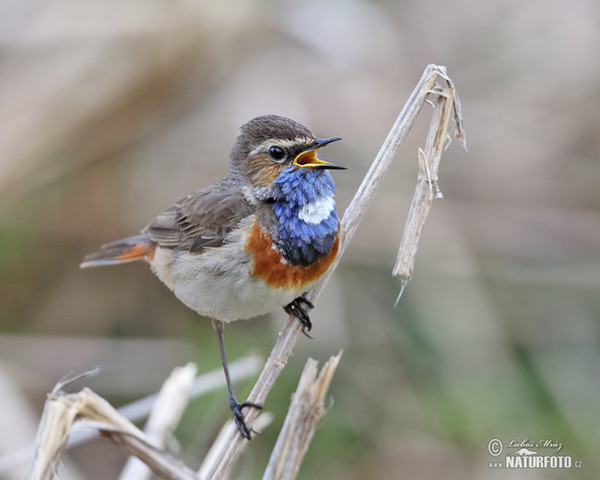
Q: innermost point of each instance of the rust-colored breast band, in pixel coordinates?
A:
(274, 270)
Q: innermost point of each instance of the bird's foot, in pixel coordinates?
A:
(297, 307)
(238, 416)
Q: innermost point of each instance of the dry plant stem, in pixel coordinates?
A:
(261, 422)
(163, 465)
(172, 401)
(433, 74)
(354, 213)
(426, 189)
(232, 441)
(240, 369)
(139, 409)
(61, 412)
(55, 425)
(306, 409)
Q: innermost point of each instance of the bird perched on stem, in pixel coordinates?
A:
(251, 243)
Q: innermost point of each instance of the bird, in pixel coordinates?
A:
(251, 243)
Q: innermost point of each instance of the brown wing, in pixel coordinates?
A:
(200, 220)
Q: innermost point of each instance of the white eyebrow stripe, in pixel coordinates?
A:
(283, 143)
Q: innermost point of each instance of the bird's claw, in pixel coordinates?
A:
(297, 308)
(238, 416)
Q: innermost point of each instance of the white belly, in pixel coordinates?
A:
(217, 283)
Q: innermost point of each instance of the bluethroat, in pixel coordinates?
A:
(251, 243)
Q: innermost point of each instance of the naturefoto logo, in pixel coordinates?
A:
(530, 454)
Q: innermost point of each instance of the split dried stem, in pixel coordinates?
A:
(172, 401)
(427, 188)
(305, 411)
(65, 413)
(63, 410)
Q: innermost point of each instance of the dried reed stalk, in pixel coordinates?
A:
(172, 401)
(306, 409)
(63, 413)
(427, 189)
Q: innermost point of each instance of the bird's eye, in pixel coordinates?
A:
(276, 153)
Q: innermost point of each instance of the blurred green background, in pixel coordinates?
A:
(111, 111)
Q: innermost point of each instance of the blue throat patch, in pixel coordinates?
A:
(301, 242)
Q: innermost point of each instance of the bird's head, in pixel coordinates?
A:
(269, 145)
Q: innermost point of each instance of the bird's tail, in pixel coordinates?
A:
(139, 247)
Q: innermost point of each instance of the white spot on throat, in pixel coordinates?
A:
(316, 211)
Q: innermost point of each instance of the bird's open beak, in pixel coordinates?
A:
(308, 158)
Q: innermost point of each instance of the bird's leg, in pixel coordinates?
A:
(296, 308)
(236, 407)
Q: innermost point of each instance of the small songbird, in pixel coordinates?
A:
(251, 243)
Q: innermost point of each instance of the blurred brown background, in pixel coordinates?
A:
(110, 111)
